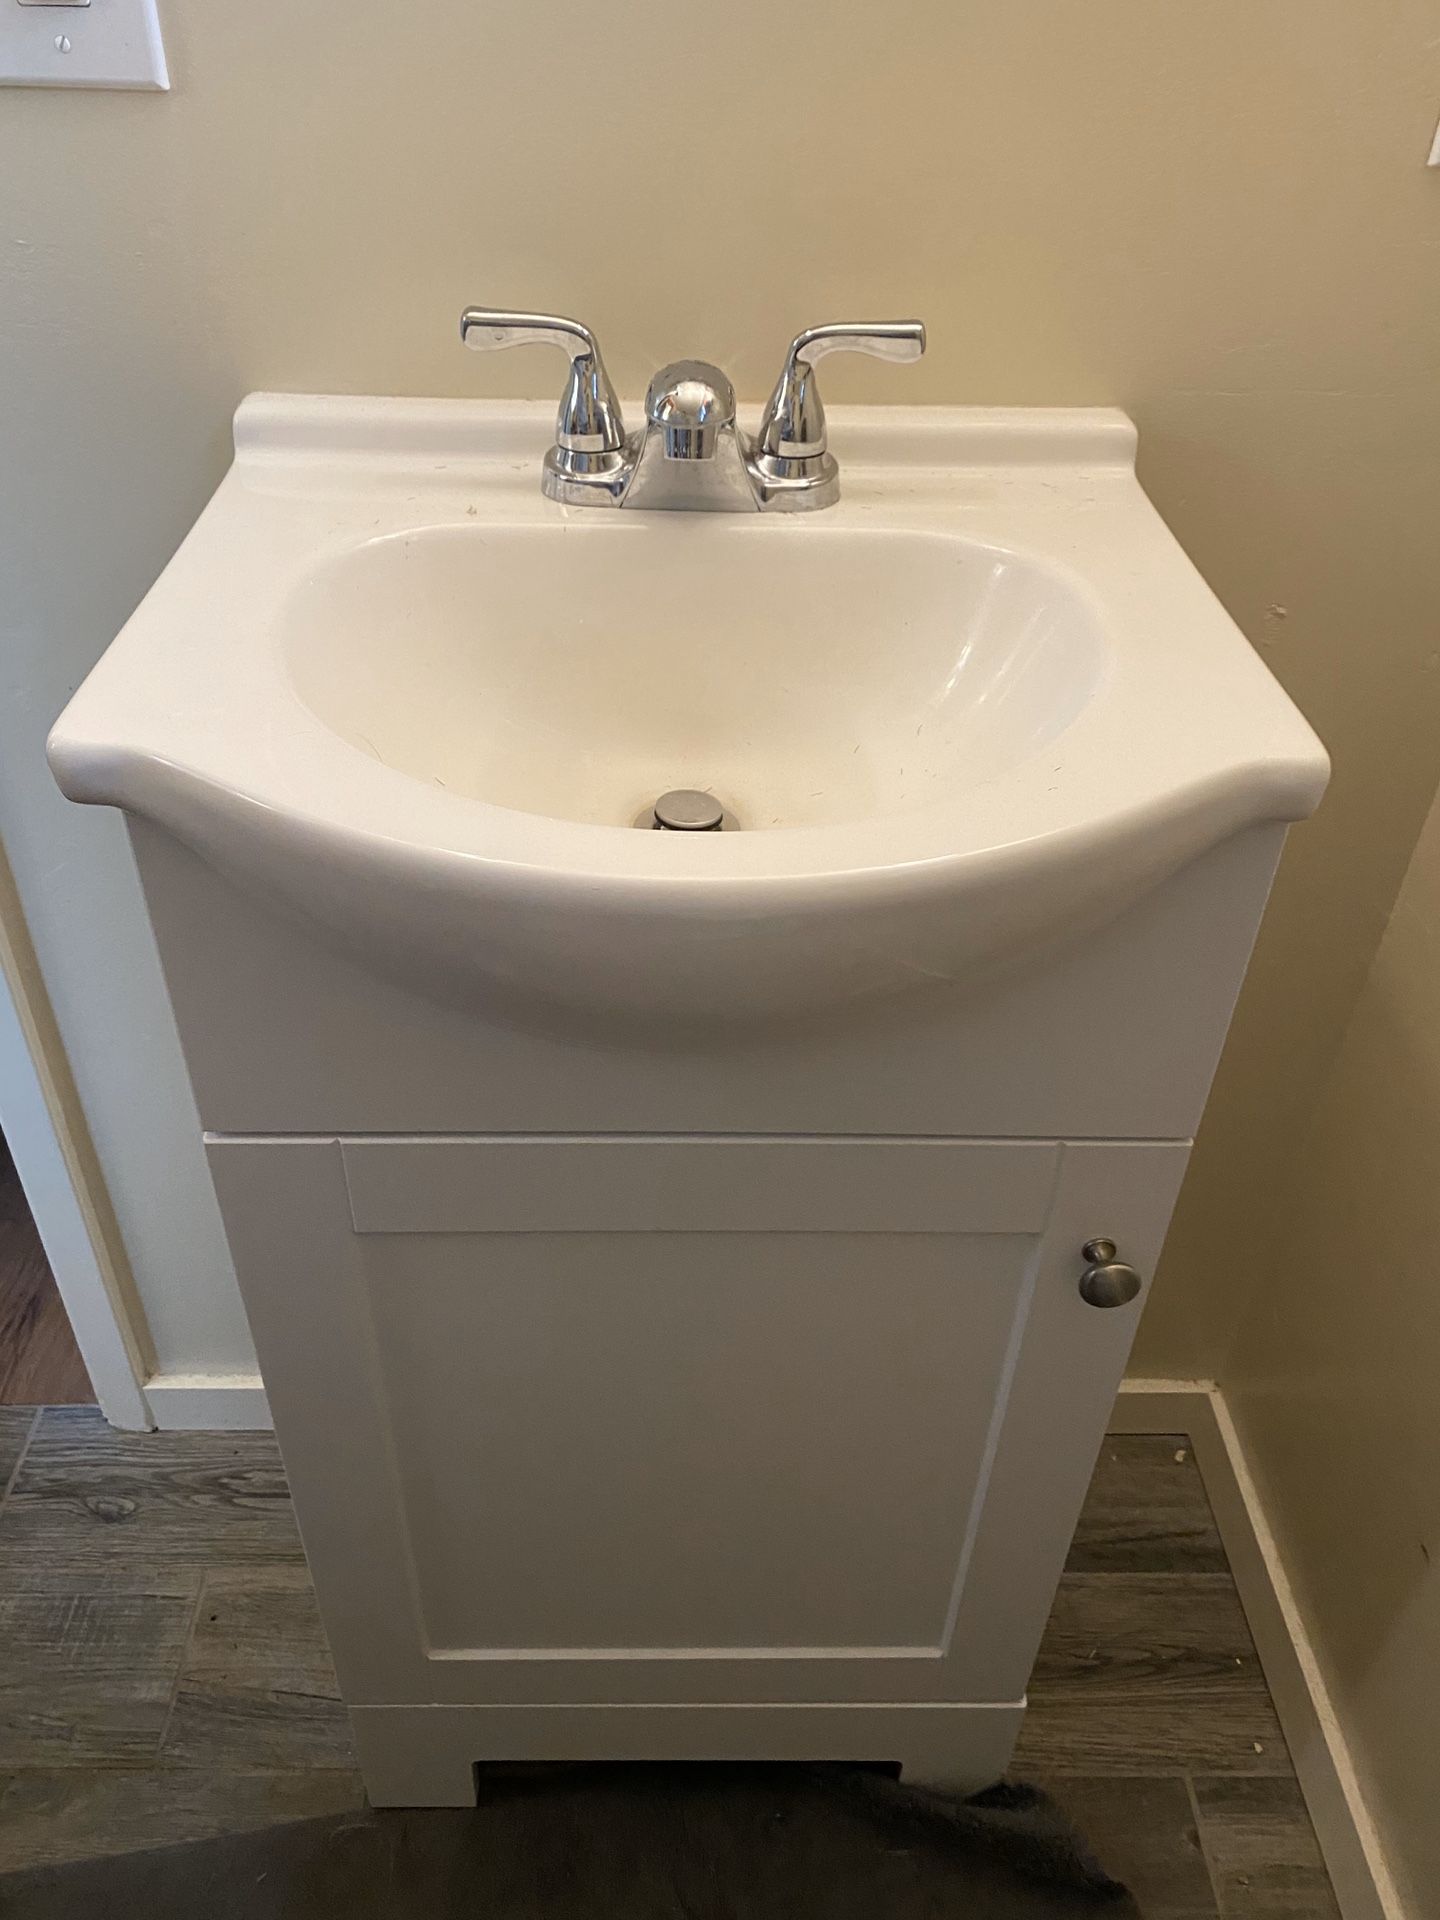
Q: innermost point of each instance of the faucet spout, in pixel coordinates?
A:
(690, 404)
(692, 456)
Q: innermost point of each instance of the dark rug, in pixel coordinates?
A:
(618, 1843)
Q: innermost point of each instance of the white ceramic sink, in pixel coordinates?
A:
(979, 706)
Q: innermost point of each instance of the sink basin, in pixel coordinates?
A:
(807, 675)
(978, 707)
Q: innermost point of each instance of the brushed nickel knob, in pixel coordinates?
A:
(1106, 1281)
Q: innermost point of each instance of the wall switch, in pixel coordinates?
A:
(81, 43)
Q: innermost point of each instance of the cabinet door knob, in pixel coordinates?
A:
(1106, 1281)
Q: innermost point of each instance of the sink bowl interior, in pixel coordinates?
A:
(805, 676)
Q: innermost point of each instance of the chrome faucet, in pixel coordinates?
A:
(692, 454)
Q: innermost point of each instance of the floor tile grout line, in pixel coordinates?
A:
(172, 1769)
(201, 1583)
(1201, 1841)
(1205, 1576)
(20, 1458)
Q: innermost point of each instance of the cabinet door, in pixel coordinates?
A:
(686, 1419)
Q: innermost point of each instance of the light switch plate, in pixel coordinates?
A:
(110, 43)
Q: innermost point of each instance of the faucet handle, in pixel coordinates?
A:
(588, 429)
(899, 340)
(792, 427)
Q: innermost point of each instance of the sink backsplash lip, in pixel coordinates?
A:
(415, 431)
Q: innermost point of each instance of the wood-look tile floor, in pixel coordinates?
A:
(39, 1359)
(163, 1675)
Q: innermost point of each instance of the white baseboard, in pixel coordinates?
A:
(1363, 1884)
(226, 1402)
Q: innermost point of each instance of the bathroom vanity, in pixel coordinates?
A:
(673, 1256)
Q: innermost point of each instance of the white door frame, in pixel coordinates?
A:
(45, 1128)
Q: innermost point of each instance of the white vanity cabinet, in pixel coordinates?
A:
(725, 1397)
(678, 1447)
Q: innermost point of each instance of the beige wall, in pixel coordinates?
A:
(1335, 1379)
(1214, 215)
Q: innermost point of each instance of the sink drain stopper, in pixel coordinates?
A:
(685, 810)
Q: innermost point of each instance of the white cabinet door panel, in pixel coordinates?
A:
(716, 1441)
(686, 1420)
